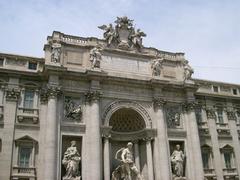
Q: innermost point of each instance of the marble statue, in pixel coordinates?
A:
(71, 161)
(109, 34)
(124, 22)
(136, 38)
(56, 52)
(156, 66)
(127, 170)
(188, 71)
(95, 57)
(177, 161)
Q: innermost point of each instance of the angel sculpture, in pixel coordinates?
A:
(136, 38)
(188, 71)
(109, 33)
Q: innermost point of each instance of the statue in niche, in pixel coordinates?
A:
(71, 161)
(56, 52)
(109, 33)
(177, 161)
(96, 57)
(136, 38)
(156, 66)
(73, 111)
(188, 71)
(127, 170)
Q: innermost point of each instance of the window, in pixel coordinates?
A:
(205, 158)
(28, 99)
(1, 61)
(25, 156)
(198, 113)
(228, 157)
(234, 91)
(215, 89)
(32, 65)
(227, 160)
(220, 115)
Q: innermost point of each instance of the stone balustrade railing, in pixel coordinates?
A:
(228, 171)
(31, 171)
(209, 171)
(26, 114)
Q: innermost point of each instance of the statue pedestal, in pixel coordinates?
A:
(179, 178)
(76, 178)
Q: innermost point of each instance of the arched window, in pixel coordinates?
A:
(228, 156)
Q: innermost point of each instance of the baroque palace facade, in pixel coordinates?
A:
(112, 109)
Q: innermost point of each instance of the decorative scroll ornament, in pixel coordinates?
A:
(95, 57)
(73, 110)
(12, 94)
(56, 52)
(156, 66)
(123, 35)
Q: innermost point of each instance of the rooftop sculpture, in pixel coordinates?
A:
(123, 35)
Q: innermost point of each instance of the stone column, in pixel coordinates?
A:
(93, 141)
(217, 159)
(51, 136)
(233, 128)
(195, 141)
(136, 154)
(106, 155)
(161, 155)
(149, 159)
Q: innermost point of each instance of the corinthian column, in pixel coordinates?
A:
(161, 156)
(194, 141)
(93, 141)
(51, 136)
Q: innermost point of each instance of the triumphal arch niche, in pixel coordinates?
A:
(129, 127)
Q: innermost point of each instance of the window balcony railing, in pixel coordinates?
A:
(27, 115)
(24, 172)
(230, 171)
(203, 124)
(209, 171)
(222, 125)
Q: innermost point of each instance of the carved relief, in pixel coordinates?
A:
(16, 62)
(72, 109)
(56, 52)
(173, 116)
(95, 57)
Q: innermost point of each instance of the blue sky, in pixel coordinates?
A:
(208, 31)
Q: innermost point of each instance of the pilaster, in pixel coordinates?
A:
(161, 155)
(93, 141)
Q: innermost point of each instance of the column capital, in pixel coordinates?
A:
(189, 106)
(231, 115)
(93, 95)
(12, 94)
(49, 92)
(158, 102)
(210, 113)
(148, 139)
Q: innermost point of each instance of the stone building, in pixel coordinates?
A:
(72, 114)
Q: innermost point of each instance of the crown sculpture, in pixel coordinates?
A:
(123, 35)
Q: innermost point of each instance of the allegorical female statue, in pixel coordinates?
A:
(177, 160)
(71, 161)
